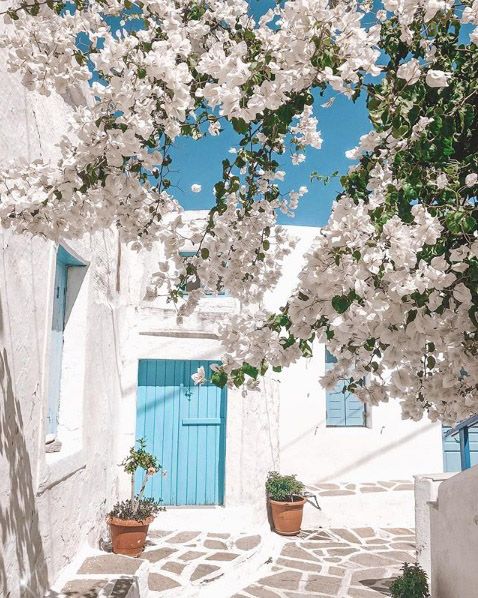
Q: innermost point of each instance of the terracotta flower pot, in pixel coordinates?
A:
(287, 516)
(128, 536)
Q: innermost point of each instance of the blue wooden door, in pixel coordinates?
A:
(184, 426)
(451, 449)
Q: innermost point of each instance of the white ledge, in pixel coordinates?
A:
(180, 333)
(59, 467)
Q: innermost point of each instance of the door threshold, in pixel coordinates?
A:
(201, 507)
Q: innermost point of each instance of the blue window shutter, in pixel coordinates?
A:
(354, 411)
(56, 351)
(64, 260)
(335, 407)
(343, 408)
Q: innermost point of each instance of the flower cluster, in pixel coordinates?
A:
(391, 282)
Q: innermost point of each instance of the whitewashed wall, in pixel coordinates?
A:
(51, 505)
(387, 448)
(454, 537)
(262, 435)
(252, 440)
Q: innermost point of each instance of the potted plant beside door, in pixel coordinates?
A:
(286, 500)
(129, 519)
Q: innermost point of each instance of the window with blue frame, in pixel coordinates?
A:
(343, 407)
(64, 261)
(194, 282)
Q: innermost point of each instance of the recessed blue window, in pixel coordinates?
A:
(343, 407)
(64, 261)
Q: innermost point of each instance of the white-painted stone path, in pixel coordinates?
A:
(343, 563)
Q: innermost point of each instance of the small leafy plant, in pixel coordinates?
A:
(413, 583)
(283, 488)
(137, 507)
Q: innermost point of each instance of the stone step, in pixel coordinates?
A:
(179, 564)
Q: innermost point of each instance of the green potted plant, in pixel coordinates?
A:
(413, 583)
(286, 500)
(129, 519)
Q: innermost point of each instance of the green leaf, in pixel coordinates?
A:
(219, 378)
(240, 125)
(204, 253)
(341, 303)
(250, 370)
(238, 378)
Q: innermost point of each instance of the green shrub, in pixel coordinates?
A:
(283, 487)
(413, 583)
(137, 508)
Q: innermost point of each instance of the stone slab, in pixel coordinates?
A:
(222, 556)
(83, 588)
(183, 537)
(259, 592)
(323, 583)
(153, 556)
(295, 552)
(285, 580)
(300, 565)
(191, 555)
(174, 567)
(203, 570)
(215, 545)
(248, 542)
(123, 588)
(111, 564)
(161, 583)
(347, 535)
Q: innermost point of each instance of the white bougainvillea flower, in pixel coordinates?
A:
(195, 188)
(409, 71)
(471, 179)
(199, 377)
(436, 78)
(441, 181)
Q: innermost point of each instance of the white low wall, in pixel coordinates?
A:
(454, 537)
(426, 494)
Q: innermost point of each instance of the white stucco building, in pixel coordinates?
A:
(87, 363)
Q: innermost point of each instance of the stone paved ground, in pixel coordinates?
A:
(349, 488)
(345, 563)
(171, 563)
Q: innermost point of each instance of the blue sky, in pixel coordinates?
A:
(341, 126)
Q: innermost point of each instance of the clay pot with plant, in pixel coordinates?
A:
(129, 519)
(286, 500)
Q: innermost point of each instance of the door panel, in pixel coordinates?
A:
(184, 426)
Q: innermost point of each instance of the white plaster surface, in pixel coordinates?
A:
(264, 432)
(252, 439)
(51, 504)
(454, 537)
(426, 493)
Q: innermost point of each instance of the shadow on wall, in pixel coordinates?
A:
(19, 522)
(367, 458)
